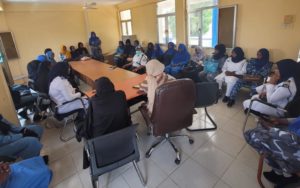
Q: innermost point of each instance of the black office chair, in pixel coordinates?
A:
(66, 117)
(111, 151)
(206, 95)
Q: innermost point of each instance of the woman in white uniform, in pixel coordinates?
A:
(61, 91)
(138, 62)
(282, 88)
(233, 66)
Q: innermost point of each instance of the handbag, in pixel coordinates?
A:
(210, 66)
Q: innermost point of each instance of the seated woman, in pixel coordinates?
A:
(155, 77)
(233, 66)
(256, 70)
(19, 142)
(279, 141)
(169, 54)
(198, 56)
(50, 57)
(181, 58)
(282, 87)
(150, 51)
(82, 51)
(29, 173)
(74, 53)
(41, 83)
(219, 57)
(61, 91)
(158, 52)
(64, 53)
(118, 56)
(129, 52)
(138, 62)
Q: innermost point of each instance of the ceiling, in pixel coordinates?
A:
(68, 1)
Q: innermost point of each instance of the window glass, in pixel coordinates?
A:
(125, 15)
(166, 7)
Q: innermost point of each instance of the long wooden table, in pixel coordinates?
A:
(90, 70)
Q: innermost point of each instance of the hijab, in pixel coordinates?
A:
(59, 69)
(259, 63)
(49, 57)
(198, 55)
(64, 52)
(171, 49)
(182, 55)
(104, 86)
(153, 69)
(94, 40)
(221, 51)
(239, 55)
(158, 51)
(150, 50)
(41, 58)
(289, 68)
(128, 50)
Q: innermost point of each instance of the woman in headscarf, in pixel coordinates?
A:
(138, 62)
(74, 53)
(216, 62)
(41, 83)
(233, 66)
(178, 62)
(281, 88)
(158, 52)
(64, 53)
(150, 51)
(199, 55)
(129, 52)
(95, 44)
(155, 77)
(118, 56)
(61, 91)
(169, 54)
(50, 57)
(81, 50)
(108, 111)
(257, 69)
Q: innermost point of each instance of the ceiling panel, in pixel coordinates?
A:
(68, 1)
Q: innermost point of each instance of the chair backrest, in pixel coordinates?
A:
(173, 106)
(206, 94)
(110, 150)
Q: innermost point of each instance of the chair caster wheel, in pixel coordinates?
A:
(191, 141)
(177, 161)
(147, 155)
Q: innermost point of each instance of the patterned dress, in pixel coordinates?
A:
(251, 70)
(281, 146)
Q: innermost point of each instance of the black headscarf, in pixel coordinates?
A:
(59, 69)
(289, 68)
(104, 86)
(41, 84)
(150, 50)
(264, 60)
(129, 49)
(221, 51)
(239, 55)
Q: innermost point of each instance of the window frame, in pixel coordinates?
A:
(126, 21)
(165, 16)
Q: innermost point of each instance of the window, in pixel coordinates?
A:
(126, 22)
(166, 21)
(202, 22)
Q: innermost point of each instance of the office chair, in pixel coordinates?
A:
(66, 117)
(206, 95)
(172, 111)
(110, 151)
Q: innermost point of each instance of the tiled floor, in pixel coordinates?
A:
(218, 159)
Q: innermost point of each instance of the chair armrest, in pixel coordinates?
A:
(266, 103)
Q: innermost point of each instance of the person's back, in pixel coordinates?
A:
(108, 111)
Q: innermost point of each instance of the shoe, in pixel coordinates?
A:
(230, 103)
(273, 177)
(287, 181)
(23, 114)
(225, 99)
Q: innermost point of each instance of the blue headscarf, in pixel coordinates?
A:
(182, 56)
(49, 57)
(41, 58)
(259, 63)
(171, 49)
(158, 51)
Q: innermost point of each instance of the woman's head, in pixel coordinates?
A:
(121, 44)
(154, 68)
(288, 68)
(220, 49)
(237, 54)
(104, 86)
(72, 48)
(93, 34)
(263, 55)
(171, 45)
(50, 55)
(138, 50)
(80, 45)
(150, 46)
(136, 43)
(182, 48)
(63, 48)
(198, 50)
(59, 69)
(128, 42)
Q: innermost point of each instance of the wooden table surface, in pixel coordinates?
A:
(90, 70)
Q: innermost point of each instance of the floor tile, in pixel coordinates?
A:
(73, 181)
(168, 183)
(192, 175)
(118, 183)
(221, 184)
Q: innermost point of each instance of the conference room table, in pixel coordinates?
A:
(90, 70)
